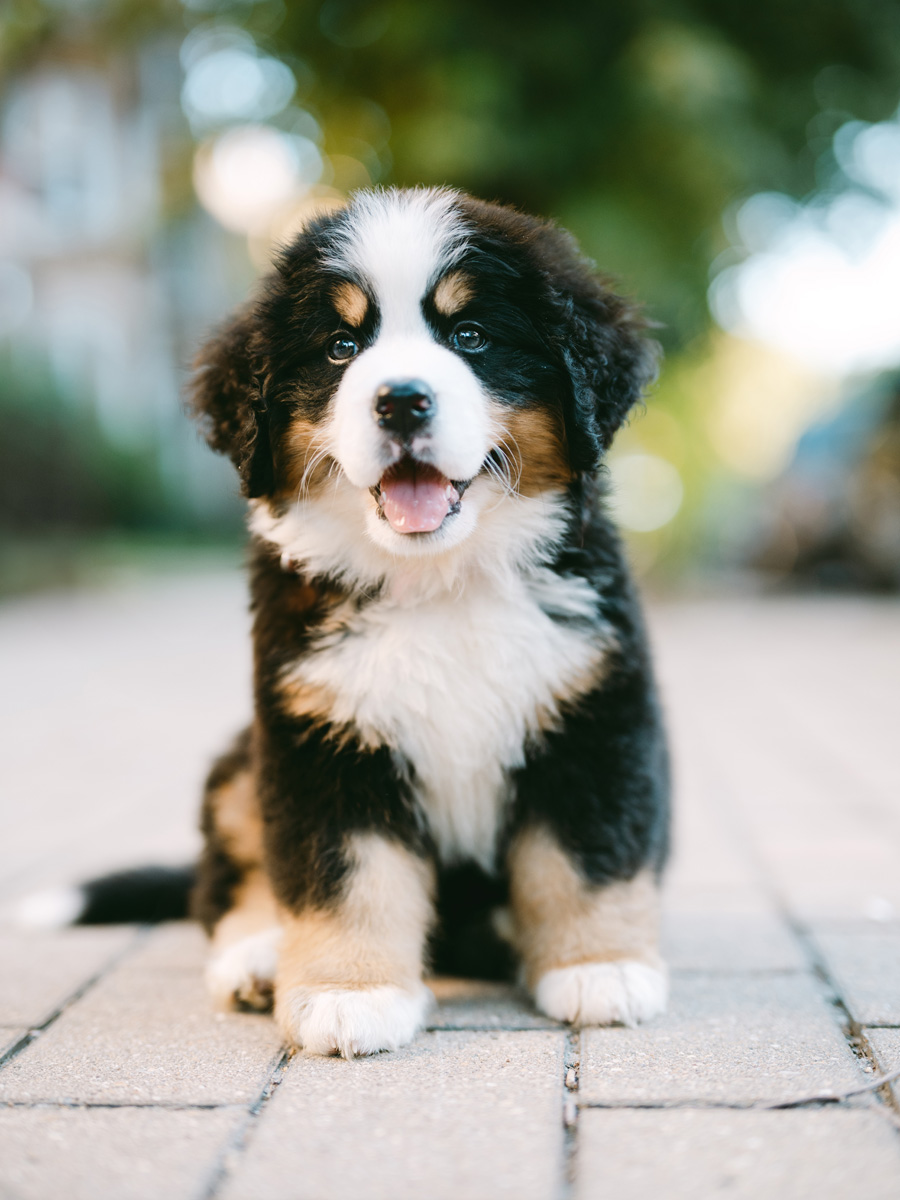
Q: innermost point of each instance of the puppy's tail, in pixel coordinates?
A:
(140, 896)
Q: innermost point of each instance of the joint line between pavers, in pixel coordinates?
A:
(658, 1105)
(885, 1092)
(111, 963)
(166, 1105)
(493, 1028)
(237, 1144)
(850, 1029)
(741, 972)
(878, 1084)
(881, 1095)
(571, 1078)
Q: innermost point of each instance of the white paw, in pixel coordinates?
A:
(243, 974)
(607, 993)
(350, 1022)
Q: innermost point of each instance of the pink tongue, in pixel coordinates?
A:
(416, 500)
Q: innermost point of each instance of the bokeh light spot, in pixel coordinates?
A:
(244, 176)
(646, 491)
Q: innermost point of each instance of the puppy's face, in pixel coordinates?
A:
(418, 358)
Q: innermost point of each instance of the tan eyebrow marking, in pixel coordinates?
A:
(351, 303)
(453, 293)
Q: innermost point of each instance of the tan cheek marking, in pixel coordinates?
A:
(351, 303)
(560, 920)
(254, 909)
(238, 820)
(373, 936)
(306, 461)
(453, 293)
(534, 442)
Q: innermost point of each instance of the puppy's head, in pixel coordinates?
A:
(416, 359)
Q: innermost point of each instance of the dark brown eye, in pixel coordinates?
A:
(342, 349)
(469, 337)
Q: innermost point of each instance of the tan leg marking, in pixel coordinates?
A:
(238, 819)
(350, 975)
(453, 293)
(351, 303)
(590, 954)
(244, 955)
(244, 950)
(255, 909)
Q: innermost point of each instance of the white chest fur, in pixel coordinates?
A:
(457, 684)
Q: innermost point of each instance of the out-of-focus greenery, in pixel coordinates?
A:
(75, 506)
(58, 470)
(636, 125)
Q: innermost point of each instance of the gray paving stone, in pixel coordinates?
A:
(715, 941)
(725, 1038)
(821, 826)
(474, 1115)
(175, 946)
(811, 804)
(885, 1047)
(149, 682)
(692, 1154)
(474, 1004)
(39, 971)
(863, 959)
(110, 1154)
(145, 1036)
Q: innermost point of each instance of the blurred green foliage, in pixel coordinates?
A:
(634, 124)
(77, 507)
(60, 471)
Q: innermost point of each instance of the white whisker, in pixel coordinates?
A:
(502, 471)
(312, 465)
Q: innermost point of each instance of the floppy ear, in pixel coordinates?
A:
(609, 361)
(227, 397)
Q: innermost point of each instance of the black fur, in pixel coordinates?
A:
(601, 780)
(563, 328)
(562, 342)
(142, 896)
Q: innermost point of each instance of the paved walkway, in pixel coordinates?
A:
(783, 931)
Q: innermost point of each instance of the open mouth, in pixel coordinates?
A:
(414, 497)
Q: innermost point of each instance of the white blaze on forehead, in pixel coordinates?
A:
(400, 243)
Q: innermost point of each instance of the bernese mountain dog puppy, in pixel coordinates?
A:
(457, 758)
(457, 761)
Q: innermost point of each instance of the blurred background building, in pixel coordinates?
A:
(736, 167)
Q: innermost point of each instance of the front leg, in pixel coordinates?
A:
(356, 898)
(350, 972)
(592, 809)
(589, 951)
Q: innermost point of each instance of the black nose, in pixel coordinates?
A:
(404, 406)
